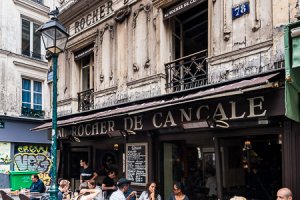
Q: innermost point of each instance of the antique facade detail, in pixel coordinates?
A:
(226, 31)
(122, 14)
(142, 7)
(257, 21)
(110, 29)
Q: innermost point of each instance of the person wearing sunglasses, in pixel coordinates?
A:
(178, 192)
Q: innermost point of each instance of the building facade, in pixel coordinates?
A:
(24, 88)
(185, 91)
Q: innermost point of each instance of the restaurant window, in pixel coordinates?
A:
(251, 166)
(189, 47)
(31, 40)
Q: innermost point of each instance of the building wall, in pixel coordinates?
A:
(130, 55)
(13, 65)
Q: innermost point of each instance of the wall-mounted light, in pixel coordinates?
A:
(280, 139)
(116, 147)
(247, 145)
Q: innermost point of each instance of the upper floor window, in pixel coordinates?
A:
(31, 40)
(31, 94)
(188, 68)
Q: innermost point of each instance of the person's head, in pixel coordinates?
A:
(151, 187)
(111, 174)
(123, 184)
(64, 185)
(284, 194)
(83, 162)
(178, 188)
(35, 178)
(91, 184)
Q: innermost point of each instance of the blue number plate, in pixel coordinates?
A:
(240, 10)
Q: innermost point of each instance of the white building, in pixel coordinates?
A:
(24, 89)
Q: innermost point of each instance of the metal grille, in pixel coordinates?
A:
(28, 112)
(187, 72)
(39, 1)
(86, 100)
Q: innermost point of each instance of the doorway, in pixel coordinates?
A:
(251, 166)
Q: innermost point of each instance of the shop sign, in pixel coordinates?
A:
(254, 107)
(181, 7)
(97, 15)
(2, 124)
(240, 10)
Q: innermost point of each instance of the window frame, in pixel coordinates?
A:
(32, 52)
(32, 93)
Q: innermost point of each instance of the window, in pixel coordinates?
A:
(31, 94)
(189, 49)
(31, 40)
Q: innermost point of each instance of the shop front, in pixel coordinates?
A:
(219, 142)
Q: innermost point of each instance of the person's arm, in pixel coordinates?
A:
(132, 194)
(103, 187)
(95, 175)
(92, 195)
(80, 178)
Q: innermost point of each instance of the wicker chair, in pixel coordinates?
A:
(5, 196)
(23, 197)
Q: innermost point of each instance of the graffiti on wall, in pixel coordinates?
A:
(5, 156)
(33, 158)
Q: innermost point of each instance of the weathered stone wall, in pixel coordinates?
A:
(14, 66)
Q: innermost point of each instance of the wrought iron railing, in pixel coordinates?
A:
(28, 112)
(39, 1)
(187, 72)
(86, 100)
(32, 54)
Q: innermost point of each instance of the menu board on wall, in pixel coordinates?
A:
(137, 163)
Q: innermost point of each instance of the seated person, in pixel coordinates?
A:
(63, 190)
(92, 192)
(37, 184)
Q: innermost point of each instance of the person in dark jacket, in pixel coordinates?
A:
(37, 184)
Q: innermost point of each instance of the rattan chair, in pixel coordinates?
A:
(5, 196)
(23, 197)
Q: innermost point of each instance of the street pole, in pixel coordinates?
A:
(53, 188)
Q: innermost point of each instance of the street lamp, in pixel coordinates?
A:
(55, 38)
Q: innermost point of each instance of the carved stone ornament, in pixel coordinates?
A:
(147, 64)
(111, 75)
(135, 67)
(142, 7)
(107, 27)
(101, 78)
(122, 14)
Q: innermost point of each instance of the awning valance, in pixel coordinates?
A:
(217, 92)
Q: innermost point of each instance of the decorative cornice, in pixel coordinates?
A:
(66, 101)
(35, 67)
(122, 14)
(142, 7)
(232, 55)
(163, 3)
(146, 80)
(31, 5)
(106, 91)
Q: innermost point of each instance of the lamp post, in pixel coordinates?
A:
(55, 38)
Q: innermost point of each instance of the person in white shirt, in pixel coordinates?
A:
(93, 192)
(151, 193)
(123, 185)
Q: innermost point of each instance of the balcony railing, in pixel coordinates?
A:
(32, 54)
(28, 112)
(39, 1)
(86, 100)
(187, 72)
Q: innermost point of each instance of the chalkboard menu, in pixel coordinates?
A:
(137, 163)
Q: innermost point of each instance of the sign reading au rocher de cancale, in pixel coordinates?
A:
(101, 12)
(252, 107)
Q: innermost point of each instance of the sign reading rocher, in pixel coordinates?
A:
(137, 163)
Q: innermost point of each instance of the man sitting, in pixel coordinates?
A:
(37, 184)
